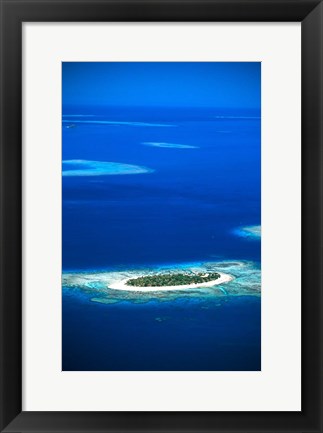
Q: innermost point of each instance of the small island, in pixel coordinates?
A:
(163, 280)
(170, 281)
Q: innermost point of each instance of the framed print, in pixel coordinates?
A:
(161, 216)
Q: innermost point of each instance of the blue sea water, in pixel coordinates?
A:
(146, 187)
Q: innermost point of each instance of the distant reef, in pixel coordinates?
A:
(82, 167)
(169, 145)
(250, 232)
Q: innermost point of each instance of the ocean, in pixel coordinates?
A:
(153, 188)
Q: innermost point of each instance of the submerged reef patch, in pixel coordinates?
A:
(82, 167)
(116, 123)
(169, 145)
(249, 232)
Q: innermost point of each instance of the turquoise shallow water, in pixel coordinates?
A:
(96, 284)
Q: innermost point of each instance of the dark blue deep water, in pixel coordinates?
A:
(184, 207)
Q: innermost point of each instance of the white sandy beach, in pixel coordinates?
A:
(121, 285)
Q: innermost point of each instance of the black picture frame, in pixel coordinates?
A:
(13, 14)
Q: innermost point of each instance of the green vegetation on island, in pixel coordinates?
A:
(162, 280)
